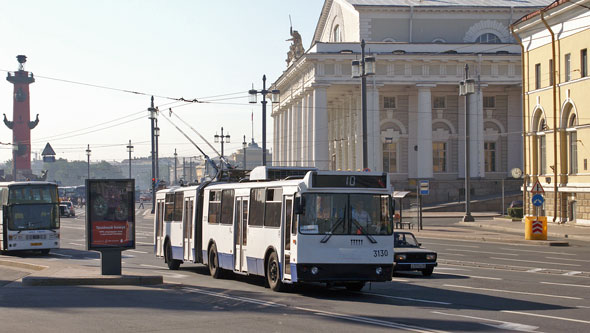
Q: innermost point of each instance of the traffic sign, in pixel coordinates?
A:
(537, 200)
(537, 188)
(424, 187)
(537, 227)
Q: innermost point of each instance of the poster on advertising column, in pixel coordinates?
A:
(110, 214)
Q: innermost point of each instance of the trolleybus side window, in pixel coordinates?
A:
(214, 206)
(178, 201)
(169, 207)
(257, 206)
(272, 215)
(227, 206)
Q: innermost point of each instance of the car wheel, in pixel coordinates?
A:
(428, 271)
(273, 274)
(355, 286)
(213, 263)
(173, 264)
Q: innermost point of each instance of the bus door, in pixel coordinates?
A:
(286, 235)
(188, 241)
(159, 228)
(240, 234)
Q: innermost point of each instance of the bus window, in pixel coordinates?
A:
(227, 206)
(169, 207)
(178, 200)
(214, 206)
(256, 206)
(272, 214)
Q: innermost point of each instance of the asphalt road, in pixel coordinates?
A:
(478, 287)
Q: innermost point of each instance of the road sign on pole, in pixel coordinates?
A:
(424, 187)
(537, 200)
(537, 188)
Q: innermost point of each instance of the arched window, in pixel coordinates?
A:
(488, 38)
(541, 143)
(573, 144)
(336, 34)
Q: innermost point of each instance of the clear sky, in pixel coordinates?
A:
(191, 49)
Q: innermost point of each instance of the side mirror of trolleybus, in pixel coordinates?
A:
(299, 205)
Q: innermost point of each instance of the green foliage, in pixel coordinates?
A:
(515, 212)
(72, 173)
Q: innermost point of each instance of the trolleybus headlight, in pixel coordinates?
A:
(379, 270)
(314, 270)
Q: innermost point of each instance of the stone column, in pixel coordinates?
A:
(298, 131)
(374, 146)
(476, 135)
(321, 156)
(424, 131)
(304, 129)
(514, 129)
(310, 131)
(288, 133)
(275, 138)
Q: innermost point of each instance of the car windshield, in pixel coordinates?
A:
(346, 214)
(33, 217)
(405, 240)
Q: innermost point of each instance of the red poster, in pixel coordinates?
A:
(111, 233)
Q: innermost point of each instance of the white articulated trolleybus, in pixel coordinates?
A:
(289, 225)
(29, 219)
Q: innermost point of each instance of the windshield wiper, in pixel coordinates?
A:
(327, 237)
(364, 232)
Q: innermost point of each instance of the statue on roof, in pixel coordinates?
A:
(296, 49)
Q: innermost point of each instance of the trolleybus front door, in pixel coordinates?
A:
(187, 228)
(159, 228)
(286, 235)
(240, 234)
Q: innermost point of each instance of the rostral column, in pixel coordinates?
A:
(21, 124)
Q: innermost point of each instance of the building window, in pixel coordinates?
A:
(538, 76)
(439, 102)
(389, 102)
(488, 38)
(573, 146)
(490, 156)
(336, 35)
(389, 156)
(567, 66)
(584, 63)
(439, 156)
(550, 72)
(541, 156)
(489, 102)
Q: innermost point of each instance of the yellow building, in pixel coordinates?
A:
(556, 113)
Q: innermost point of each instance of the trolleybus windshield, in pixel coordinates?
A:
(345, 214)
(33, 208)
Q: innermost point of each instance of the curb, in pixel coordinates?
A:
(18, 264)
(114, 280)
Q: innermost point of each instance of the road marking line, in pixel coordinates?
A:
(471, 246)
(505, 325)
(453, 254)
(409, 299)
(572, 273)
(535, 270)
(546, 252)
(496, 253)
(153, 266)
(546, 316)
(536, 262)
(438, 268)
(511, 292)
(135, 251)
(76, 244)
(472, 276)
(578, 260)
(144, 243)
(398, 280)
(566, 284)
(60, 255)
(583, 307)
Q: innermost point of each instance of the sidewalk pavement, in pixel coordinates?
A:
(493, 227)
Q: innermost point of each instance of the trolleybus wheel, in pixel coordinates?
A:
(354, 286)
(273, 275)
(213, 263)
(173, 264)
(45, 252)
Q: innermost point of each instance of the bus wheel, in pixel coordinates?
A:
(173, 264)
(45, 252)
(213, 263)
(354, 286)
(273, 276)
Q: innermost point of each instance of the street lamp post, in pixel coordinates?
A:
(363, 68)
(153, 114)
(157, 135)
(223, 139)
(129, 150)
(466, 88)
(275, 98)
(244, 145)
(88, 151)
(175, 167)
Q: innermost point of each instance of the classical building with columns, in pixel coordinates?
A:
(415, 116)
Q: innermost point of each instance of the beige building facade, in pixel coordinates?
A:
(415, 116)
(556, 83)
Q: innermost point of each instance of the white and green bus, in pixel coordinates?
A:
(29, 219)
